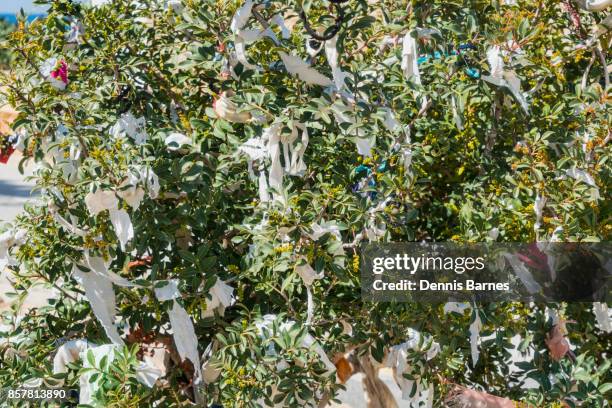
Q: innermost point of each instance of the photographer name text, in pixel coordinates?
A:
(406, 264)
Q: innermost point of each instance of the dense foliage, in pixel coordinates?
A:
(461, 152)
(5, 29)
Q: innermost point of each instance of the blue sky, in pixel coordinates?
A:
(12, 6)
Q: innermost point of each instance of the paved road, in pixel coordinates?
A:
(14, 189)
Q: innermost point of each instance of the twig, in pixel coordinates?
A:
(585, 76)
(358, 238)
(265, 25)
(575, 18)
(56, 286)
(604, 67)
(421, 112)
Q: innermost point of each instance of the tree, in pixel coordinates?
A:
(208, 170)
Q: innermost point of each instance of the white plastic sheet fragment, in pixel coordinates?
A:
(101, 200)
(228, 66)
(100, 266)
(331, 52)
(184, 336)
(98, 284)
(428, 32)
(311, 343)
(538, 208)
(249, 36)
(388, 42)
(168, 290)
(255, 149)
(123, 226)
(594, 5)
(264, 196)
(222, 296)
(178, 142)
(77, 30)
(174, 5)
(313, 50)
(151, 181)
(345, 114)
(342, 112)
(210, 369)
(8, 240)
(407, 154)
(101, 295)
(98, 3)
(68, 353)
(287, 144)
(309, 305)
(496, 62)
(390, 122)
(50, 69)
(132, 189)
(586, 139)
(457, 307)
(300, 68)
(246, 36)
(147, 374)
(603, 315)
(89, 388)
(70, 227)
(323, 228)
(493, 233)
(308, 275)
(475, 328)
(297, 166)
(129, 125)
(226, 109)
(242, 15)
(364, 146)
(523, 273)
(584, 177)
(294, 153)
(265, 326)
(71, 351)
(57, 154)
(21, 134)
(240, 44)
(504, 78)
(456, 115)
(552, 256)
(410, 57)
(375, 230)
(272, 135)
(397, 359)
(280, 22)
(183, 330)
